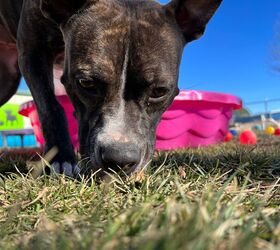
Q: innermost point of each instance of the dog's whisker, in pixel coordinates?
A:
(82, 160)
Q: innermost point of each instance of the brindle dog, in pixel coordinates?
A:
(121, 61)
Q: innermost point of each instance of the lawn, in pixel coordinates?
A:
(221, 197)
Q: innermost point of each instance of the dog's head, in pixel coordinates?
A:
(121, 70)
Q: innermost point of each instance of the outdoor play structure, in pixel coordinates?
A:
(15, 130)
(196, 118)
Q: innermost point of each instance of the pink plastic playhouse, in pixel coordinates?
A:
(196, 118)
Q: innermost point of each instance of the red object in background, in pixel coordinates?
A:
(28, 109)
(228, 137)
(248, 137)
(277, 131)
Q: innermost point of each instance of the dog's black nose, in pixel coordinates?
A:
(119, 156)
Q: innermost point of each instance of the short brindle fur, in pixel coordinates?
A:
(121, 61)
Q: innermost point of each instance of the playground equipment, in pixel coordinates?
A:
(268, 120)
(19, 132)
(10, 118)
(196, 118)
(28, 109)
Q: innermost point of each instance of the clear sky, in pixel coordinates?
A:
(234, 55)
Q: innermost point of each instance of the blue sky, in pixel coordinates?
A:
(234, 55)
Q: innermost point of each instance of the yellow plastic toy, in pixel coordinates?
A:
(270, 130)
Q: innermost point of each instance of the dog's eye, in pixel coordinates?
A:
(158, 94)
(85, 83)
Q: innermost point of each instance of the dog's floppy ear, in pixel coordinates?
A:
(60, 11)
(193, 15)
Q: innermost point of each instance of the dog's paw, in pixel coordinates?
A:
(66, 168)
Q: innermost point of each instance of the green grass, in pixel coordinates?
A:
(220, 197)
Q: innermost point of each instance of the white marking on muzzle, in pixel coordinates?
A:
(114, 127)
(122, 86)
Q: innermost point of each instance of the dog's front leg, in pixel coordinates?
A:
(36, 58)
(37, 70)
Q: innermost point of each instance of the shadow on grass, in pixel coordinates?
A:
(14, 160)
(262, 160)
